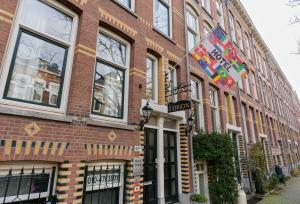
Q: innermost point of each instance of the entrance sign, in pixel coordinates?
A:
(179, 106)
(138, 164)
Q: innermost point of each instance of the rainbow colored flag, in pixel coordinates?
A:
(216, 55)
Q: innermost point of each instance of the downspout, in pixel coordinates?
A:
(190, 133)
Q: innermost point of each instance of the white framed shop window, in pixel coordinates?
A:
(27, 182)
(39, 50)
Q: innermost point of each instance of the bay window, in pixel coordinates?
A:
(196, 96)
(213, 96)
(192, 27)
(43, 48)
(111, 77)
(162, 16)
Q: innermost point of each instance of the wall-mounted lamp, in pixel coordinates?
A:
(147, 111)
(190, 121)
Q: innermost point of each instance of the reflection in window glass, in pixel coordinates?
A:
(37, 64)
(126, 3)
(149, 79)
(108, 91)
(46, 19)
(111, 50)
(162, 16)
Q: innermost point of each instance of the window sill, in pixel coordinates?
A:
(132, 12)
(164, 35)
(35, 114)
(94, 122)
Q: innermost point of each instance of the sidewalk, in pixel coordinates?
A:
(289, 195)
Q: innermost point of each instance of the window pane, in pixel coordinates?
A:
(37, 64)
(192, 21)
(108, 91)
(126, 3)
(191, 40)
(161, 17)
(111, 50)
(46, 19)
(149, 79)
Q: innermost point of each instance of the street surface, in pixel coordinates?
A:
(289, 195)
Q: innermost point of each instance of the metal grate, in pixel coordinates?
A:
(33, 186)
(103, 184)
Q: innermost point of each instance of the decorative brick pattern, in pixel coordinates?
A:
(185, 162)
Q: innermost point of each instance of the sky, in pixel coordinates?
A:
(271, 18)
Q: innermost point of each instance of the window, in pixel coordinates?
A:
(251, 121)
(259, 59)
(27, 183)
(253, 84)
(151, 78)
(201, 178)
(256, 57)
(232, 27)
(213, 96)
(248, 49)
(239, 36)
(111, 76)
(172, 83)
(207, 28)
(127, 3)
(162, 16)
(44, 44)
(230, 110)
(220, 13)
(104, 183)
(196, 96)
(247, 85)
(192, 27)
(206, 5)
(265, 68)
(245, 123)
(240, 84)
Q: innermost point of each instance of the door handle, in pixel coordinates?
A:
(147, 183)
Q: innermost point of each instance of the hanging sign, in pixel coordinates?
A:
(179, 106)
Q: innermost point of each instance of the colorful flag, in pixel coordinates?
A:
(216, 55)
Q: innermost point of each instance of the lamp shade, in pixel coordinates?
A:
(147, 110)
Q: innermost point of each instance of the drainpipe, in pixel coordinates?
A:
(190, 133)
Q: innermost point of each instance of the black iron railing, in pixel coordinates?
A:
(28, 187)
(103, 184)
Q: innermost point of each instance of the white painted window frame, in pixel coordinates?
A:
(220, 13)
(199, 102)
(126, 78)
(168, 3)
(5, 67)
(206, 4)
(190, 11)
(154, 77)
(216, 108)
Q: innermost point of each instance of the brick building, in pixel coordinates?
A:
(264, 110)
(76, 75)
